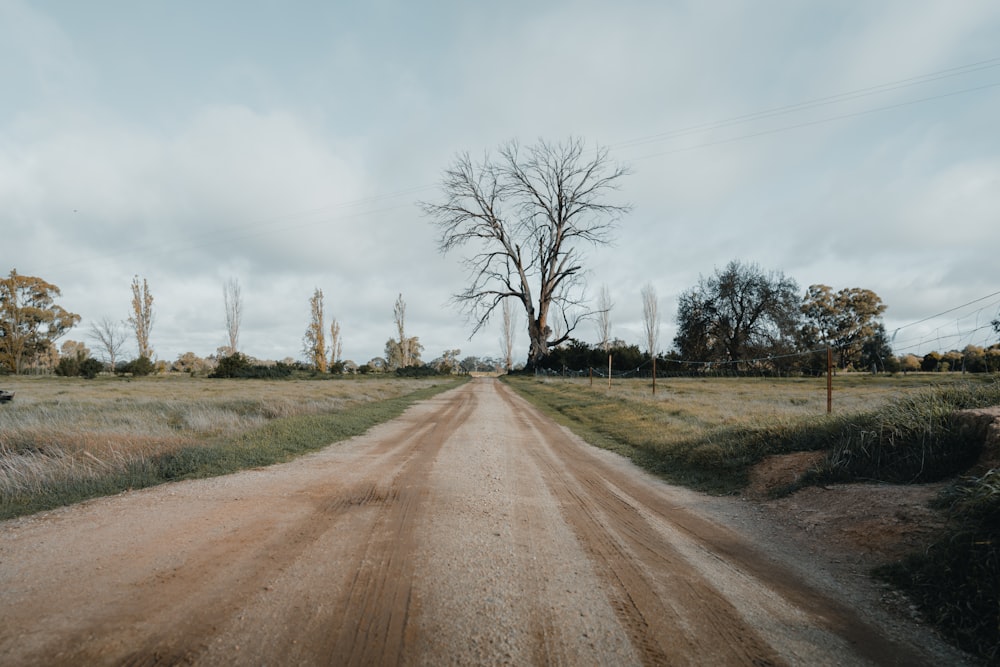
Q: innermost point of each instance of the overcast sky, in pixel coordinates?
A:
(286, 144)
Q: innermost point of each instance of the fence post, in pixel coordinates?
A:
(829, 380)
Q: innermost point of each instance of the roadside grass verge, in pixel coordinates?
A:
(708, 433)
(69, 440)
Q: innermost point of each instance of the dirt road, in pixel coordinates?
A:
(472, 530)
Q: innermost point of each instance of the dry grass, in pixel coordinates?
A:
(102, 435)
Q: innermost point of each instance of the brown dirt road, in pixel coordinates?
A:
(472, 530)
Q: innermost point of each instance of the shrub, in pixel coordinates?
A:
(232, 366)
(90, 367)
(138, 367)
(416, 371)
(238, 365)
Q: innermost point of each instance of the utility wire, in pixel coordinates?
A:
(816, 102)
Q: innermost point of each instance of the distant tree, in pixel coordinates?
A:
(739, 313)
(931, 362)
(314, 341)
(189, 362)
(377, 365)
(402, 356)
(336, 345)
(651, 324)
(527, 215)
(508, 333)
(876, 353)
(909, 363)
(845, 321)
(141, 318)
(650, 319)
(232, 297)
(448, 362)
(110, 336)
(395, 356)
(30, 320)
(604, 306)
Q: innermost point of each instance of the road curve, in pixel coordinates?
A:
(471, 530)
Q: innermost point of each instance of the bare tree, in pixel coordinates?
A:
(651, 321)
(233, 298)
(141, 318)
(336, 342)
(604, 306)
(527, 216)
(110, 336)
(399, 315)
(509, 327)
(314, 341)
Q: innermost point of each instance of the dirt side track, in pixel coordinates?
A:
(472, 530)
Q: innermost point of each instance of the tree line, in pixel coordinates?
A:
(743, 319)
(32, 321)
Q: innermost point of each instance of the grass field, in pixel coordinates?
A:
(706, 433)
(66, 439)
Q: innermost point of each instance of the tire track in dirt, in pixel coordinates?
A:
(673, 616)
(672, 608)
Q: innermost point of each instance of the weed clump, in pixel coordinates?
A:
(956, 582)
(913, 439)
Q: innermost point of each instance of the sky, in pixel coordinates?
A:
(288, 145)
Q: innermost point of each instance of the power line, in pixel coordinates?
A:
(817, 102)
(820, 121)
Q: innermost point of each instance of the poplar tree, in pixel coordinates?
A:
(314, 341)
(141, 318)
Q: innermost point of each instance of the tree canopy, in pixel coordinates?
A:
(738, 314)
(845, 321)
(30, 320)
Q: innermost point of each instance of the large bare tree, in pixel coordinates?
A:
(232, 296)
(110, 335)
(527, 215)
(141, 318)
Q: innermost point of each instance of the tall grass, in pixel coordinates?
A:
(956, 581)
(64, 440)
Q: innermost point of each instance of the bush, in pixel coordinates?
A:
(76, 367)
(238, 365)
(138, 367)
(68, 367)
(416, 371)
(232, 366)
(90, 367)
